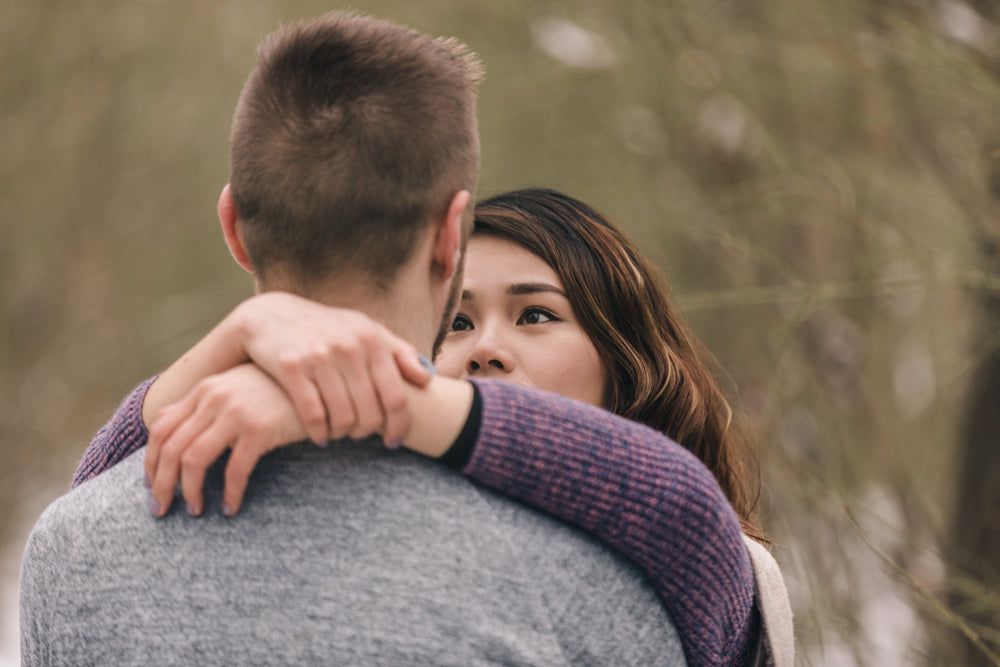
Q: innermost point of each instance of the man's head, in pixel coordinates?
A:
(351, 139)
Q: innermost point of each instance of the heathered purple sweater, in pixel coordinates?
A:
(621, 481)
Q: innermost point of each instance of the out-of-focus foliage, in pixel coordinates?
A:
(819, 182)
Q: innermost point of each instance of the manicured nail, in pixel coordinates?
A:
(394, 444)
(428, 365)
(154, 507)
(190, 510)
(227, 509)
(146, 481)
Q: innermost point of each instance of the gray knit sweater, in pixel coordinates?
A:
(346, 555)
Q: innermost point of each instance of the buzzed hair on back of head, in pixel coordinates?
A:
(350, 136)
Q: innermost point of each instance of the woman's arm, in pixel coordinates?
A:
(125, 433)
(245, 411)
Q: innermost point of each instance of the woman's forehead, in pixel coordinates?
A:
(492, 262)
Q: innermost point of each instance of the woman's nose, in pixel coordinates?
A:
(475, 365)
(489, 357)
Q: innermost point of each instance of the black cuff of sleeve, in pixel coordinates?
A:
(461, 450)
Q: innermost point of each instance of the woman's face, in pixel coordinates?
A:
(515, 323)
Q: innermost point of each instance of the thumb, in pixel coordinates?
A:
(414, 367)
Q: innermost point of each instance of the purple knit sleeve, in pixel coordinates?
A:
(638, 492)
(122, 435)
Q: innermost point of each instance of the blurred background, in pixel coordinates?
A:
(820, 183)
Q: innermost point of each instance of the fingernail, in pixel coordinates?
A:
(428, 365)
(227, 509)
(154, 507)
(146, 481)
(321, 443)
(394, 444)
(190, 509)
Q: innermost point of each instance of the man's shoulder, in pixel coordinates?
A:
(83, 506)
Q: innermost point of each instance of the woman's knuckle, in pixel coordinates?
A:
(395, 402)
(190, 459)
(289, 362)
(342, 422)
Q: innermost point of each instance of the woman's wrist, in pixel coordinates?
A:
(461, 450)
(239, 326)
(439, 412)
(224, 347)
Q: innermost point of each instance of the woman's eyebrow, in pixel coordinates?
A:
(520, 289)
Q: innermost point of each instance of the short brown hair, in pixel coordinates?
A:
(657, 372)
(351, 134)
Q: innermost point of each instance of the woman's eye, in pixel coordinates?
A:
(461, 323)
(536, 316)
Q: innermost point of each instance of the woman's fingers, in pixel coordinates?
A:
(408, 361)
(324, 359)
(246, 453)
(308, 397)
(368, 415)
(166, 421)
(241, 409)
(167, 472)
(336, 398)
(198, 456)
(363, 387)
(392, 397)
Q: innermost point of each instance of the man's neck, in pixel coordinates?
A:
(406, 312)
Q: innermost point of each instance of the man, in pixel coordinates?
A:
(353, 162)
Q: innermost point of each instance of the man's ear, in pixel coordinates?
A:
(448, 242)
(231, 229)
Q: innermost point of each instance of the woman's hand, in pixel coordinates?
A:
(241, 409)
(244, 410)
(345, 374)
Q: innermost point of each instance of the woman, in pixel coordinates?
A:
(555, 297)
(656, 373)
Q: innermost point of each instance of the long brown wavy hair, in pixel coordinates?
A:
(657, 372)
